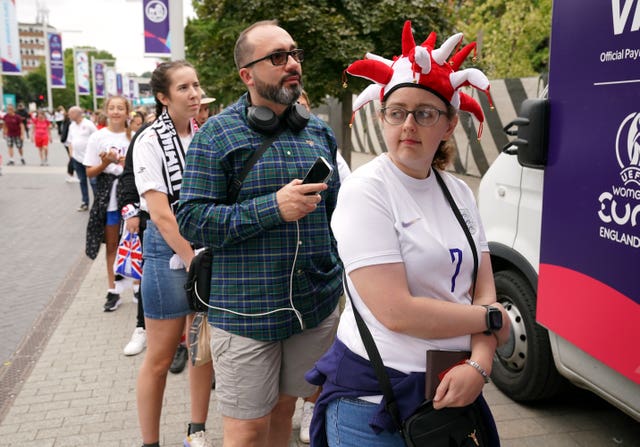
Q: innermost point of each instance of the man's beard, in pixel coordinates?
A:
(279, 93)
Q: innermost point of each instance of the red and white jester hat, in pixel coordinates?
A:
(426, 67)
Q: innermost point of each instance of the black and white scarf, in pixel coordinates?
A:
(174, 154)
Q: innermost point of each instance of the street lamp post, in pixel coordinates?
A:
(176, 29)
(47, 63)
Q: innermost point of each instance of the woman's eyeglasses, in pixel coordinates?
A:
(424, 116)
(280, 57)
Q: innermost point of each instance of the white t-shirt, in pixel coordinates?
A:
(148, 160)
(99, 142)
(384, 216)
(343, 167)
(79, 136)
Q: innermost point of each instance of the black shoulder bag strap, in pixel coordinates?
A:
(235, 185)
(367, 339)
(376, 361)
(464, 226)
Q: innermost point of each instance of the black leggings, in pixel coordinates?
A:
(140, 315)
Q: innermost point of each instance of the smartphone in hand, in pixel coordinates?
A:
(320, 172)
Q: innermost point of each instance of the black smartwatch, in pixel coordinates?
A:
(494, 319)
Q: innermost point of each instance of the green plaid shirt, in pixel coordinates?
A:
(253, 247)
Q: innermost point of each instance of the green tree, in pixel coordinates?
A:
(28, 88)
(332, 33)
(18, 86)
(37, 84)
(514, 36)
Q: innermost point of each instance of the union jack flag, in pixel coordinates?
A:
(129, 256)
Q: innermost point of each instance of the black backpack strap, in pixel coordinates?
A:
(235, 185)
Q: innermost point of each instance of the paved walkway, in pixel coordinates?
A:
(65, 381)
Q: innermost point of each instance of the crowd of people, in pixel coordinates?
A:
(285, 250)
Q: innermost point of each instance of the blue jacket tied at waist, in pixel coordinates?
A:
(342, 373)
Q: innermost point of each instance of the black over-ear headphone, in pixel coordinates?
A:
(264, 120)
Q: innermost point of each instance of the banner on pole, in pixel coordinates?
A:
(119, 89)
(110, 81)
(9, 40)
(83, 85)
(156, 27)
(99, 77)
(56, 60)
(125, 86)
(133, 89)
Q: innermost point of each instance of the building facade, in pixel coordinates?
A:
(32, 45)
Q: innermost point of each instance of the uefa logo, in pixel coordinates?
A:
(628, 149)
(156, 11)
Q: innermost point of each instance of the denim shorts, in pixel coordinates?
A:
(163, 294)
(347, 425)
(113, 217)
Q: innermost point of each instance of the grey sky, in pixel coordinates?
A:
(112, 25)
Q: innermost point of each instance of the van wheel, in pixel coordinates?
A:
(523, 368)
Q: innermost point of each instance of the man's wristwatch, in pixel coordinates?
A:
(494, 319)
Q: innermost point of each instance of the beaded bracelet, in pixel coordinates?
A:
(478, 368)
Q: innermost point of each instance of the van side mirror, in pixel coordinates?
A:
(532, 133)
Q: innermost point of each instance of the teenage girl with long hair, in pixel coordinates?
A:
(104, 159)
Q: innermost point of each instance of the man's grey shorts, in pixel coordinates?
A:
(251, 374)
(14, 141)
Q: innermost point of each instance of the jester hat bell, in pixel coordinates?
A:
(423, 66)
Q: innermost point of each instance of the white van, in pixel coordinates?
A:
(561, 209)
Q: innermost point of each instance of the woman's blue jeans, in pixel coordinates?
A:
(347, 425)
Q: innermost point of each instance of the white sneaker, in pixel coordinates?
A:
(72, 179)
(197, 439)
(305, 421)
(137, 343)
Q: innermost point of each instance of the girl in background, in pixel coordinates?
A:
(41, 136)
(104, 159)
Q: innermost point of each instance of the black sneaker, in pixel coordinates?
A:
(83, 207)
(179, 359)
(10, 163)
(113, 301)
(22, 161)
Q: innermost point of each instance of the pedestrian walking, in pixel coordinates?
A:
(41, 135)
(13, 130)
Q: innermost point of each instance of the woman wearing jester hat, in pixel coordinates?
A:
(410, 268)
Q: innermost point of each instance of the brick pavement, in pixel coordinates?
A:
(81, 388)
